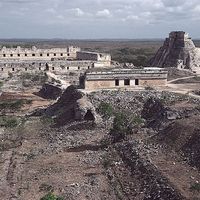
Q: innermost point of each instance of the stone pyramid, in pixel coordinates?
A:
(177, 51)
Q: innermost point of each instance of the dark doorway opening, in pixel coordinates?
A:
(136, 81)
(117, 82)
(89, 116)
(127, 82)
(47, 67)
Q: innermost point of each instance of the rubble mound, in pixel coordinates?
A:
(72, 105)
(153, 112)
(49, 91)
(183, 136)
(84, 110)
(146, 176)
(177, 51)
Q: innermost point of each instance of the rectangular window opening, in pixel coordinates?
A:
(127, 82)
(136, 81)
(117, 82)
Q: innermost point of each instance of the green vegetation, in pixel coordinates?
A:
(1, 84)
(123, 125)
(138, 57)
(51, 196)
(120, 127)
(8, 121)
(47, 120)
(13, 104)
(195, 187)
(105, 109)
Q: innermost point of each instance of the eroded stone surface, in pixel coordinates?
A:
(177, 51)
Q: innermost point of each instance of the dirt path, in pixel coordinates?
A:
(183, 78)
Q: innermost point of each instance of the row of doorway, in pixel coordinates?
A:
(126, 82)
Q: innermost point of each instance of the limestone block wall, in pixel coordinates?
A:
(102, 59)
(125, 78)
(23, 54)
(54, 66)
(99, 84)
(109, 84)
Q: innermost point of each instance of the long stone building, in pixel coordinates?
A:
(25, 54)
(56, 59)
(124, 78)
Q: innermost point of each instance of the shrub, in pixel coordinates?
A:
(120, 127)
(124, 124)
(14, 104)
(1, 84)
(105, 109)
(8, 122)
(51, 196)
(47, 120)
(195, 187)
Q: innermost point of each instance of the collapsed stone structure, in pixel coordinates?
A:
(119, 78)
(56, 59)
(177, 51)
(73, 105)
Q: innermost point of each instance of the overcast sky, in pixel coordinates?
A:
(89, 19)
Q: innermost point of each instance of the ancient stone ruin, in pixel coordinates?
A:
(123, 78)
(13, 60)
(177, 51)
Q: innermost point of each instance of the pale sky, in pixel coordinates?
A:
(90, 19)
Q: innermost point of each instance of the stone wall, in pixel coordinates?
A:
(124, 79)
(23, 54)
(54, 66)
(101, 58)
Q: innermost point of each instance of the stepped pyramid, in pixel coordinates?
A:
(177, 51)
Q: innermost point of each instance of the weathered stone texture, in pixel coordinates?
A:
(177, 51)
(124, 78)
